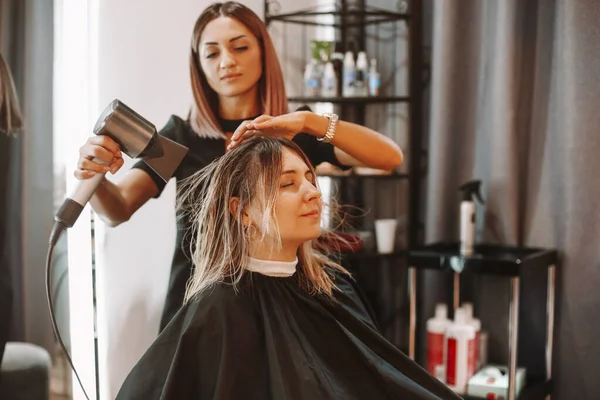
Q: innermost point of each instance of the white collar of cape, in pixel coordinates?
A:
(272, 268)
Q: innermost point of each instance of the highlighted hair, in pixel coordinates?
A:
(221, 243)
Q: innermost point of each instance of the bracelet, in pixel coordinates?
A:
(328, 137)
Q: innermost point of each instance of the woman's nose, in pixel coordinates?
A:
(312, 193)
(227, 60)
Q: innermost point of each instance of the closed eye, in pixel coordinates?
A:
(242, 48)
(311, 177)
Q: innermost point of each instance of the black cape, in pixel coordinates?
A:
(273, 340)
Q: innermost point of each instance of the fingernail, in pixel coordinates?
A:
(119, 153)
(113, 170)
(92, 173)
(106, 168)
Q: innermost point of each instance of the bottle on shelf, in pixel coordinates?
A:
(476, 324)
(329, 81)
(436, 349)
(374, 79)
(362, 71)
(337, 59)
(311, 79)
(470, 191)
(349, 80)
(459, 344)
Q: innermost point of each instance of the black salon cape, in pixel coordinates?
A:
(272, 340)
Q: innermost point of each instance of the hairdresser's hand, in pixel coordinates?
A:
(98, 148)
(286, 126)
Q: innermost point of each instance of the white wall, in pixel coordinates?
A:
(143, 49)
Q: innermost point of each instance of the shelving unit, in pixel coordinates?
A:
(506, 262)
(349, 100)
(356, 24)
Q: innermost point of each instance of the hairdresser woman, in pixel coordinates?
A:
(239, 92)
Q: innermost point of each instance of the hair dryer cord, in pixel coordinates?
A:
(57, 230)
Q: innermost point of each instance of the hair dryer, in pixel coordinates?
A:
(137, 138)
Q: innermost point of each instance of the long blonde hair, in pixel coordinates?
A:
(271, 87)
(11, 121)
(221, 243)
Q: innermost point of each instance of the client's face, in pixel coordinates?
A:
(298, 206)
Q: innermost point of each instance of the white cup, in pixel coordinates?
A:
(385, 233)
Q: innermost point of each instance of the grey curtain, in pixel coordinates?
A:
(514, 101)
(26, 40)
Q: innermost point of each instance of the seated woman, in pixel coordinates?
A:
(267, 314)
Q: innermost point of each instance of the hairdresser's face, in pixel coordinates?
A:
(230, 57)
(298, 206)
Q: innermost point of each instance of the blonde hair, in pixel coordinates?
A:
(11, 121)
(221, 242)
(271, 87)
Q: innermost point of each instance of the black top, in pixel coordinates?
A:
(272, 340)
(203, 151)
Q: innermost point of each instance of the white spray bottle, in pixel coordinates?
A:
(470, 191)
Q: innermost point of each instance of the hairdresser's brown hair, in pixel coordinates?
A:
(271, 87)
(11, 121)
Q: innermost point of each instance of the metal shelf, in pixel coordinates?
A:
(486, 259)
(505, 262)
(349, 100)
(372, 254)
(369, 16)
(356, 176)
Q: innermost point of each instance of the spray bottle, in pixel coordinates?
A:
(469, 190)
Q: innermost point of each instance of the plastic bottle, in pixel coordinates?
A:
(469, 190)
(337, 59)
(374, 79)
(436, 351)
(476, 324)
(362, 71)
(349, 75)
(311, 81)
(459, 348)
(329, 81)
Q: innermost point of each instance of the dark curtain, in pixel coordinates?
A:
(513, 102)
